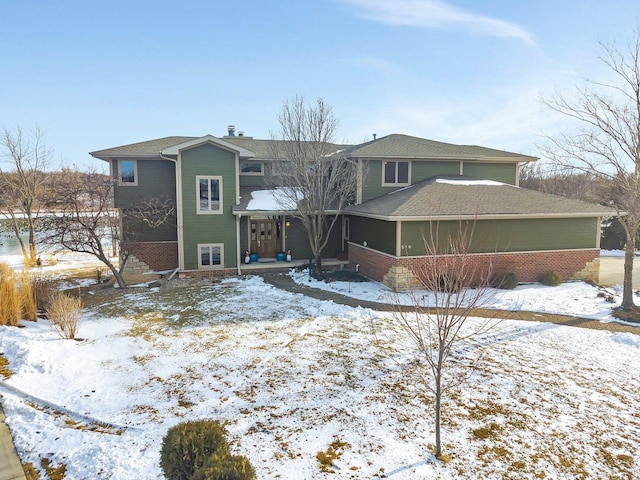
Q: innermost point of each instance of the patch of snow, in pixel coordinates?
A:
(469, 182)
(288, 375)
(272, 200)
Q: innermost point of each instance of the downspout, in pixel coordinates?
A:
(179, 219)
(238, 257)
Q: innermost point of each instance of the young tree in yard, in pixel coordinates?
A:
(316, 181)
(437, 325)
(85, 218)
(25, 157)
(607, 144)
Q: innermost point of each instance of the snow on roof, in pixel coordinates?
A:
(468, 182)
(272, 200)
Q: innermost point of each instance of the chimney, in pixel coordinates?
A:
(232, 130)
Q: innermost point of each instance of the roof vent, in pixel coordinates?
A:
(241, 133)
(375, 135)
(232, 130)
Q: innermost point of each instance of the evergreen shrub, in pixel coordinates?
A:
(550, 279)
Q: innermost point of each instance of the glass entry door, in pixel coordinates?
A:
(265, 237)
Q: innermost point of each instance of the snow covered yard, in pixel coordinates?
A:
(289, 375)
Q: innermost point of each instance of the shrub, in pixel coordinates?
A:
(64, 314)
(188, 447)
(44, 291)
(9, 296)
(233, 467)
(449, 283)
(550, 279)
(505, 281)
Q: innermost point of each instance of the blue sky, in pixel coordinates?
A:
(95, 75)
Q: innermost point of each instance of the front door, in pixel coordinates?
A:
(265, 237)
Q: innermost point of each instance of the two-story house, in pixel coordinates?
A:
(224, 208)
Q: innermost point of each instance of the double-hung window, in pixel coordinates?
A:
(127, 172)
(210, 255)
(395, 173)
(209, 192)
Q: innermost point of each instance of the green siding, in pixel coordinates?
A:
(499, 172)
(297, 240)
(508, 235)
(424, 169)
(421, 170)
(156, 178)
(379, 234)
(208, 160)
(372, 182)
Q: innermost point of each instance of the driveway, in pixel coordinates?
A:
(612, 271)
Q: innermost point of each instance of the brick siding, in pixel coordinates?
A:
(527, 266)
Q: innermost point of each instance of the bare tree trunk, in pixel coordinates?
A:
(438, 402)
(629, 255)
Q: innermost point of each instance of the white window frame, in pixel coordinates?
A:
(255, 174)
(219, 210)
(396, 183)
(135, 173)
(210, 246)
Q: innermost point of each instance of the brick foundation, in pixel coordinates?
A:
(148, 257)
(527, 266)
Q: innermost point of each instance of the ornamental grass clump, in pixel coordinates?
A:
(9, 296)
(27, 296)
(199, 450)
(64, 312)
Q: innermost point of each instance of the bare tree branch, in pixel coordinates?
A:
(316, 181)
(606, 144)
(24, 160)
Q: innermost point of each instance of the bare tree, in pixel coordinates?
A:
(25, 157)
(437, 325)
(607, 143)
(85, 219)
(316, 182)
(557, 180)
(84, 216)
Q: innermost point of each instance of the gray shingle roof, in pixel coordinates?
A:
(148, 148)
(153, 147)
(405, 146)
(461, 196)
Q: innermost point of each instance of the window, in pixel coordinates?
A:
(251, 168)
(396, 173)
(211, 256)
(209, 191)
(127, 172)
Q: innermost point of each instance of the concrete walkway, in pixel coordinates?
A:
(285, 282)
(10, 466)
(612, 271)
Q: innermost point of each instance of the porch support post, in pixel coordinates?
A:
(398, 238)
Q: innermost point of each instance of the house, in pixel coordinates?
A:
(224, 208)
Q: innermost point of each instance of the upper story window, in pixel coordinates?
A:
(395, 173)
(251, 168)
(209, 191)
(127, 172)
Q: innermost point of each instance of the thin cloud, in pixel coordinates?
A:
(437, 14)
